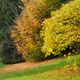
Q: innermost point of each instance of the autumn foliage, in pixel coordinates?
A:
(38, 29)
(61, 32)
(26, 32)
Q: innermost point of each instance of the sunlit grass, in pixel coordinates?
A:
(49, 71)
(34, 71)
(44, 77)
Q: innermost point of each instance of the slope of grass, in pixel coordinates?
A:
(49, 71)
(33, 71)
(52, 77)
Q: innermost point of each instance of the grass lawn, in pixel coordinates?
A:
(49, 71)
(47, 76)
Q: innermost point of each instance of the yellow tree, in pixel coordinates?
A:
(61, 32)
(25, 33)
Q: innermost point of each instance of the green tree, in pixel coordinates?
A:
(8, 11)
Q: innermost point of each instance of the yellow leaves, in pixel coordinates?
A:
(61, 30)
(25, 33)
(55, 32)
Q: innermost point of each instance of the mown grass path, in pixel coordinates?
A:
(24, 65)
(40, 68)
(47, 70)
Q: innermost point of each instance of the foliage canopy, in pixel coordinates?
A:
(61, 32)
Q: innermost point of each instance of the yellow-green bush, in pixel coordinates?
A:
(61, 32)
(74, 60)
(25, 33)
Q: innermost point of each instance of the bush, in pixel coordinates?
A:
(25, 33)
(36, 56)
(61, 32)
(74, 60)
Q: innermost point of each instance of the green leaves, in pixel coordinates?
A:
(8, 11)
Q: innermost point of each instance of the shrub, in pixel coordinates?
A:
(61, 32)
(36, 56)
(74, 60)
(25, 33)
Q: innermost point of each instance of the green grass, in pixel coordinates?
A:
(40, 77)
(1, 65)
(43, 72)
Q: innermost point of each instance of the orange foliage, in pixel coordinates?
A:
(25, 33)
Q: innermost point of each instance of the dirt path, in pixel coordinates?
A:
(22, 66)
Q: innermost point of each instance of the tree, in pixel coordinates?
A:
(26, 32)
(8, 11)
(61, 32)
